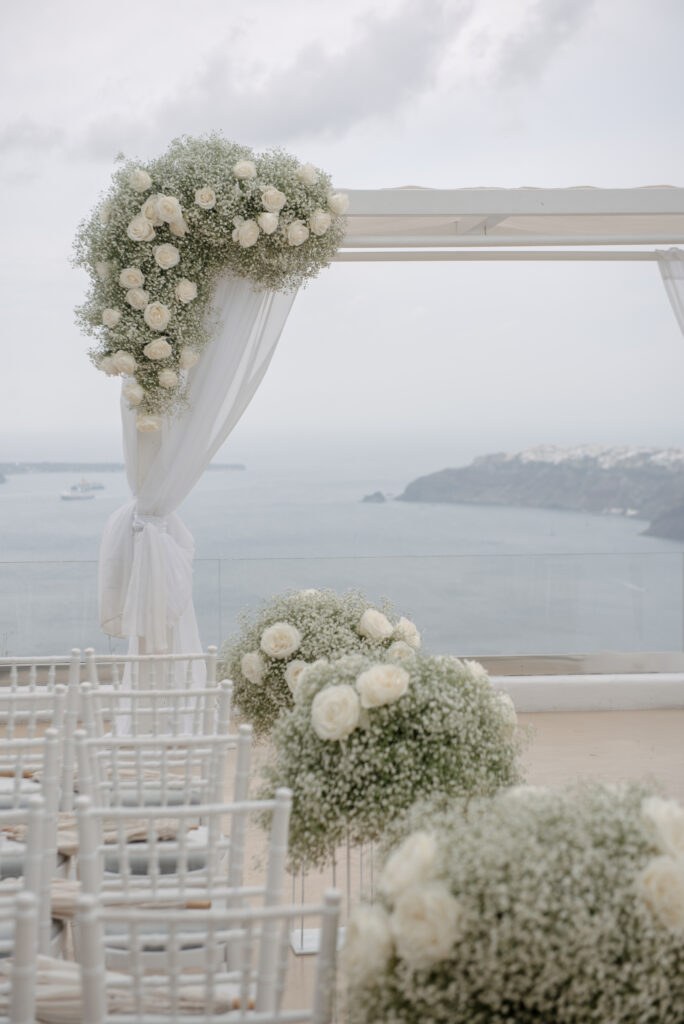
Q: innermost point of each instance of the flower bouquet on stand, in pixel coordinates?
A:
(266, 661)
(367, 738)
(535, 907)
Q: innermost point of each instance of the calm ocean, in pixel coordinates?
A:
(477, 579)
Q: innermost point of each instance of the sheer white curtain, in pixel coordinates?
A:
(671, 264)
(145, 570)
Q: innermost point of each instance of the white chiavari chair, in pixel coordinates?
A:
(153, 770)
(17, 976)
(151, 671)
(200, 711)
(252, 993)
(40, 676)
(174, 863)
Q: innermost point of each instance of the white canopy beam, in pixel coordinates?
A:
(430, 241)
(482, 255)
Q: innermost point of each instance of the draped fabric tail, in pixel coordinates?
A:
(671, 264)
(146, 554)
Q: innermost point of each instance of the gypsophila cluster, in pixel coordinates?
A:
(167, 229)
(534, 907)
(367, 738)
(294, 630)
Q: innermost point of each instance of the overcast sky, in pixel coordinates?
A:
(399, 366)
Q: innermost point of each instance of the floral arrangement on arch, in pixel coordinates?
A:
(561, 907)
(168, 228)
(266, 661)
(367, 738)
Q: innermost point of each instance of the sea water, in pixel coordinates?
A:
(477, 579)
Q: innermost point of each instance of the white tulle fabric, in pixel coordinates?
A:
(671, 264)
(145, 570)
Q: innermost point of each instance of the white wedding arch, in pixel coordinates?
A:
(145, 577)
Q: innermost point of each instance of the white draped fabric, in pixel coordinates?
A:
(145, 570)
(671, 263)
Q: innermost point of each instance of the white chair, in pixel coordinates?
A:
(201, 711)
(175, 863)
(251, 993)
(17, 989)
(153, 771)
(21, 863)
(41, 676)
(151, 671)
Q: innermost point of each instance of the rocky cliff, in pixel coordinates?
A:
(643, 482)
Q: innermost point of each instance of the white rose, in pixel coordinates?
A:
(247, 233)
(137, 298)
(133, 393)
(382, 684)
(169, 209)
(140, 230)
(178, 228)
(508, 713)
(268, 222)
(139, 180)
(338, 202)
(666, 819)
(131, 277)
(205, 198)
(157, 349)
(426, 923)
(412, 863)
(166, 255)
(244, 169)
(147, 423)
(252, 666)
(368, 944)
(297, 232)
(168, 378)
(273, 200)
(111, 317)
(185, 291)
(293, 672)
(149, 211)
(124, 362)
(408, 631)
(280, 640)
(476, 670)
(105, 214)
(374, 625)
(335, 712)
(103, 270)
(320, 221)
(106, 364)
(662, 888)
(157, 316)
(400, 651)
(307, 174)
(188, 357)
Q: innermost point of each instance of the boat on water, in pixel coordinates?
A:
(81, 491)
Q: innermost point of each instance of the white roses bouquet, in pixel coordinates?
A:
(366, 738)
(562, 907)
(292, 631)
(156, 244)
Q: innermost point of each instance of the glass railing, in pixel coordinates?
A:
(466, 604)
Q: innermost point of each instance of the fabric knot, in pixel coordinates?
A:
(140, 522)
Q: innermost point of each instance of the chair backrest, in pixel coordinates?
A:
(151, 671)
(18, 991)
(130, 855)
(41, 676)
(159, 771)
(27, 862)
(253, 991)
(199, 711)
